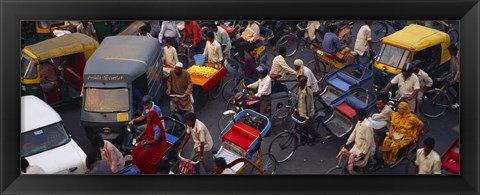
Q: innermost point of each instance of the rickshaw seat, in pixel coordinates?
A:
(342, 81)
(241, 135)
(259, 41)
(349, 105)
(170, 139)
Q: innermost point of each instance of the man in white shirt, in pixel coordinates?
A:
(213, 50)
(169, 29)
(428, 161)
(455, 73)
(203, 143)
(380, 120)
(280, 66)
(264, 86)
(312, 81)
(425, 83)
(221, 36)
(408, 85)
(109, 153)
(87, 28)
(170, 56)
(364, 145)
(363, 44)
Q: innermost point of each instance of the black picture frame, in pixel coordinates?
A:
(12, 12)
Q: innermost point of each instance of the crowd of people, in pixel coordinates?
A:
(396, 129)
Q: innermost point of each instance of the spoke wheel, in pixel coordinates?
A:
(283, 146)
(434, 103)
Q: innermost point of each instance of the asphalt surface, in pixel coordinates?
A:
(315, 159)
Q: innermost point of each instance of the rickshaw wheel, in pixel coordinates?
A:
(224, 120)
(337, 171)
(290, 42)
(434, 103)
(216, 90)
(283, 146)
(281, 118)
(267, 163)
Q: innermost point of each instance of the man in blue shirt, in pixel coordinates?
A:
(331, 44)
(147, 106)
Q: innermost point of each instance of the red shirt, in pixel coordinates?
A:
(194, 31)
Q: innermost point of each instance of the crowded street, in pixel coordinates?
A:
(88, 116)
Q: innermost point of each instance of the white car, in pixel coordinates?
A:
(44, 141)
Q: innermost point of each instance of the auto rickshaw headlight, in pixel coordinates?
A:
(384, 68)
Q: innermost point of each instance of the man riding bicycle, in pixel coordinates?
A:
(179, 83)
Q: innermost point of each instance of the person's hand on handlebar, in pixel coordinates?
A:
(131, 122)
(361, 156)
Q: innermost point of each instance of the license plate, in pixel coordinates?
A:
(122, 116)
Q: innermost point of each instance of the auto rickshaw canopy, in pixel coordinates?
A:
(61, 46)
(123, 55)
(416, 38)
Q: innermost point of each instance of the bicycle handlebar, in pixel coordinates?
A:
(185, 45)
(182, 158)
(296, 120)
(180, 96)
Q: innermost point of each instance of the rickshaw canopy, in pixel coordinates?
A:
(123, 55)
(61, 46)
(416, 38)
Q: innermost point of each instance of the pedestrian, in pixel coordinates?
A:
(425, 83)
(180, 83)
(213, 51)
(264, 89)
(109, 153)
(428, 161)
(26, 168)
(280, 66)
(306, 108)
(154, 27)
(87, 28)
(221, 36)
(203, 143)
(363, 44)
(96, 166)
(312, 81)
(193, 32)
(408, 85)
(169, 29)
(221, 166)
(455, 73)
(363, 144)
(142, 31)
(151, 148)
(248, 39)
(170, 56)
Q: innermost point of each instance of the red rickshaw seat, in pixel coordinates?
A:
(450, 161)
(346, 110)
(241, 135)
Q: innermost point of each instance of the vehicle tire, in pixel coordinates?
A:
(229, 89)
(200, 98)
(291, 43)
(453, 36)
(216, 90)
(337, 171)
(318, 68)
(267, 163)
(379, 30)
(434, 103)
(283, 146)
(281, 118)
(224, 120)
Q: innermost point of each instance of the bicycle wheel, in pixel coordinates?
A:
(216, 90)
(434, 103)
(230, 88)
(281, 118)
(200, 98)
(184, 60)
(379, 30)
(224, 120)
(318, 68)
(291, 43)
(337, 171)
(453, 33)
(267, 163)
(348, 38)
(283, 146)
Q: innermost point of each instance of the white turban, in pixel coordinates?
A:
(179, 64)
(298, 62)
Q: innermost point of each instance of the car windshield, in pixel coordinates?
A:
(393, 56)
(28, 67)
(47, 24)
(43, 139)
(106, 100)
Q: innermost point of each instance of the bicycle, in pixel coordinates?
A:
(184, 55)
(447, 28)
(436, 101)
(291, 40)
(284, 145)
(380, 29)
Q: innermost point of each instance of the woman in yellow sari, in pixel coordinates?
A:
(404, 129)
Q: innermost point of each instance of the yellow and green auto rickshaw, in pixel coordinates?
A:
(67, 54)
(421, 44)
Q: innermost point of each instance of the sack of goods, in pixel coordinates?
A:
(202, 71)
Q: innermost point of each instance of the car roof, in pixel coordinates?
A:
(127, 55)
(61, 46)
(35, 113)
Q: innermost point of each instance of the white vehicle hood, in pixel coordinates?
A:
(61, 160)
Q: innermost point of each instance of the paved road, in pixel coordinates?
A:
(316, 159)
